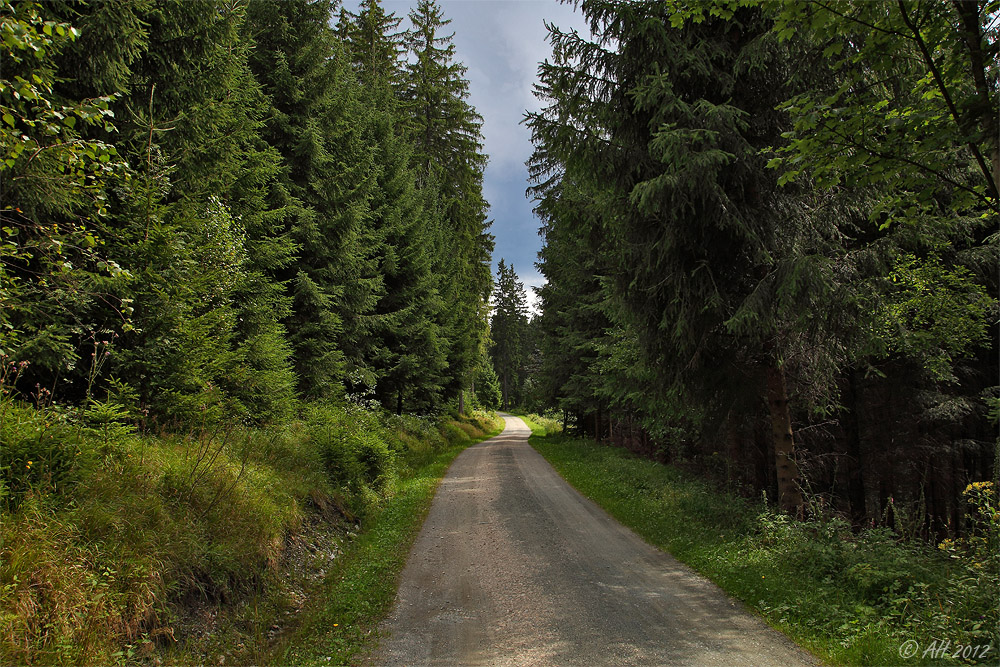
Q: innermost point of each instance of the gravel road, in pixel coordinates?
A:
(514, 567)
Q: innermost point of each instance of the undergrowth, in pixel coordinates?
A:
(110, 537)
(851, 598)
(340, 623)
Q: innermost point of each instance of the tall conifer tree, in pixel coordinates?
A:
(449, 162)
(192, 223)
(508, 332)
(664, 127)
(404, 351)
(325, 187)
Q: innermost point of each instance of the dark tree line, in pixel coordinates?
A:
(770, 244)
(510, 336)
(243, 203)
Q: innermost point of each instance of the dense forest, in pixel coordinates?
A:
(244, 281)
(227, 207)
(246, 293)
(771, 247)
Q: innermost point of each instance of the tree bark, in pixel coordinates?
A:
(789, 494)
(968, 11)
(505, 404)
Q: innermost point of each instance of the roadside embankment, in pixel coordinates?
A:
(195, 546)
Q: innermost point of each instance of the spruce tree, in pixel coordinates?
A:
(573, 323)
(449, 163)
(191, 221)
(508, 333)
(403, 352)
(664, 127)
(324, 189)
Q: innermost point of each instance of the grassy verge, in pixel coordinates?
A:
(850, 598)
(340, 622)
(119, 547)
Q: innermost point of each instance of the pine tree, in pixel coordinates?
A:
(449, 163)
(325, 188)
(507, 330)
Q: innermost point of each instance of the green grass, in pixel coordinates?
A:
(850, 598)
(341, 621)
(117, 546)
(540, 424)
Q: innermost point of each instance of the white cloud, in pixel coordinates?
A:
(530, 282)
(502, 43)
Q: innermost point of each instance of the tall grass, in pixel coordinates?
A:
(340, 623)
(109, 537)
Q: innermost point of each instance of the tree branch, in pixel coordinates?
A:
(929, 60)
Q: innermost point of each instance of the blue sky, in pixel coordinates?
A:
(502, 42)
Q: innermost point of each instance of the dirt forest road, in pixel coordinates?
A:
(514, 567)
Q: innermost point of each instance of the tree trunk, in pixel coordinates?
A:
(505, 389)
(461, 401)
(399, 402)
(789, 495)
(872, 410)
(854, 470)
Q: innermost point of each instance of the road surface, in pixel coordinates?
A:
(514, 567)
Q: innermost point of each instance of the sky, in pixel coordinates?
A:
(502, 42)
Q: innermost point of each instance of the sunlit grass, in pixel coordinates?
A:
(110, 540)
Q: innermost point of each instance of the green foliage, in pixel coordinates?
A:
(574, 325)
(448, 162)
(320, 194)
(851, 598)
(910, 110)
(54, 266)
(935, 313)
(254, 219)
(41, 452)
(405, 349)
(508, 329)
(734, 192)
(126, 531)
(211, 209)
(354, 448)
(542, 425)
(146, 523)
(488, 393)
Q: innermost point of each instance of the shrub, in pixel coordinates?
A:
(377, 463)
(548, 424)
(339, 462)
(42, 450)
